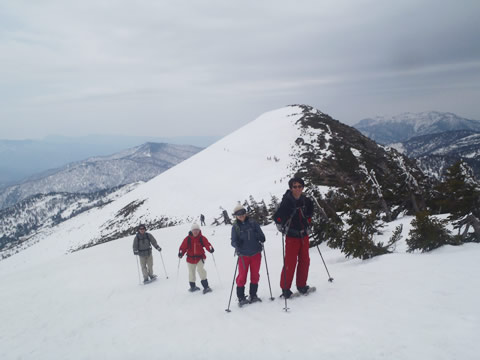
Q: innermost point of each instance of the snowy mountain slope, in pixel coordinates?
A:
(253, 161)
(399, 128)
(89, 305)
(140, 163)
(39, 213)
(256, 161)
(436, 152)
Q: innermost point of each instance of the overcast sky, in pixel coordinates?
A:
(174, 68)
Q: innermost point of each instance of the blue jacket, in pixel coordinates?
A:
(247, 237)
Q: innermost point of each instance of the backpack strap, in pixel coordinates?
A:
(189, 241)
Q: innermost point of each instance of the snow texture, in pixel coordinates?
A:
(90, 304)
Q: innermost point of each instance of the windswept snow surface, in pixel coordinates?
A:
(90, 305)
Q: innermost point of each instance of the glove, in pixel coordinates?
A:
(135, 252)
(180, 255)
(211, 250)
(159, 248)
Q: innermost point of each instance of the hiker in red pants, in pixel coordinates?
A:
(293, 217)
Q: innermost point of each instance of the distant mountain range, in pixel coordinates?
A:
(437, 140)
(20, 159)
(140, 163)
(393, 129)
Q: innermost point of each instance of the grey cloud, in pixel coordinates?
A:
(168, 64)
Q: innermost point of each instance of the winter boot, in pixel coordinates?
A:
(145, 280)
(206, 288)
(242, 300)
(153, 277)
(253, 293)
(286, 293)
(193, 287)
(304, 289)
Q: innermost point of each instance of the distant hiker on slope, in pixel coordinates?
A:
(247, 239)
(142, 246)
(226, 218)
(202, 220)
(193, 245)
(293, 219)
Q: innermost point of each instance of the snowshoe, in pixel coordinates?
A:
(254, 298)
(304, 292)
(148, 281)
(193, 287)
(242, 302)
(207, 290)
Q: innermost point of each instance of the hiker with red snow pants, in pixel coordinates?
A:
(247, 239)
(293, 218)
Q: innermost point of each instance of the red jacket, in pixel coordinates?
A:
(194, 247)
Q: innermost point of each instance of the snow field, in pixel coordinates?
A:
(90, 305)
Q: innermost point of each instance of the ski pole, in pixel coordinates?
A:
(231, 291)
(268, 275)
(178, 268)
(218, 274)
(164, 269)
(284, 271)
(287, 226)
(330, 279)
(138, 271)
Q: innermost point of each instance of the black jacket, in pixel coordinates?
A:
(294, 215)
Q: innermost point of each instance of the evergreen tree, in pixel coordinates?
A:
(357, 240)
(266, 219)
(428, 233)
(459, 195)
(273, 206)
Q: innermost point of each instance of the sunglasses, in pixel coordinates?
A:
(142, 229)
(297, 187)
(240, 212)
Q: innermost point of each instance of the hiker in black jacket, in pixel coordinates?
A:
(293, 218)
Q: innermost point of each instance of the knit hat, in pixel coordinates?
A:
(195, 226)
(239, 210)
